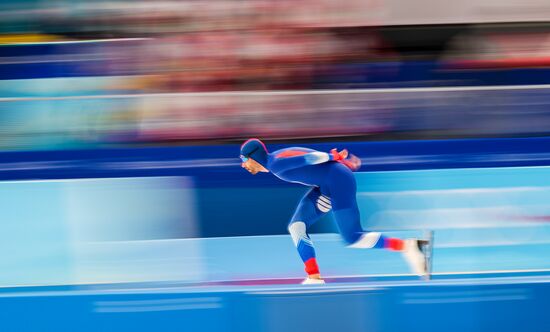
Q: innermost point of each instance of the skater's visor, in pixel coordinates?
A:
(243, 158)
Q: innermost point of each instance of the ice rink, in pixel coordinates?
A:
(252, 284)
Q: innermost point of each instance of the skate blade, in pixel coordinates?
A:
(426, 246)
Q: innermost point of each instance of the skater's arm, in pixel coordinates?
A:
(293, 159)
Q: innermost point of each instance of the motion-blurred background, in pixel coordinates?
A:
(120, 125)
(107, 74)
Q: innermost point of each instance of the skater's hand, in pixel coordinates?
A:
(337, 156)
(352, 162)
(349, 160)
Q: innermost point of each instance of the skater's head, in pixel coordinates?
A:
(254, 156)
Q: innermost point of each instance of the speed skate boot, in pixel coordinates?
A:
(415, 257)
(313, 281)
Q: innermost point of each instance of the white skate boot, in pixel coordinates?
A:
(415, 257)
(313, 281)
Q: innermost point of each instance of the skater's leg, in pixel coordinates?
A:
(346, 213)
(352, 233)
(312, 207)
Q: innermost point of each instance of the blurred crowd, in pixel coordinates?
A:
(81, 73)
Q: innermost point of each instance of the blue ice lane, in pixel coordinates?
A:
(503, 304)
(458, 303)
(456, 251)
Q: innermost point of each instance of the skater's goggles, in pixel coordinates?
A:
(243, 158)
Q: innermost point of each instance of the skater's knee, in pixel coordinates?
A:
(297, 230)
(368, 240)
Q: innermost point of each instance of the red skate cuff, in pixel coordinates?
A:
(393, 244)
(311, 266)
